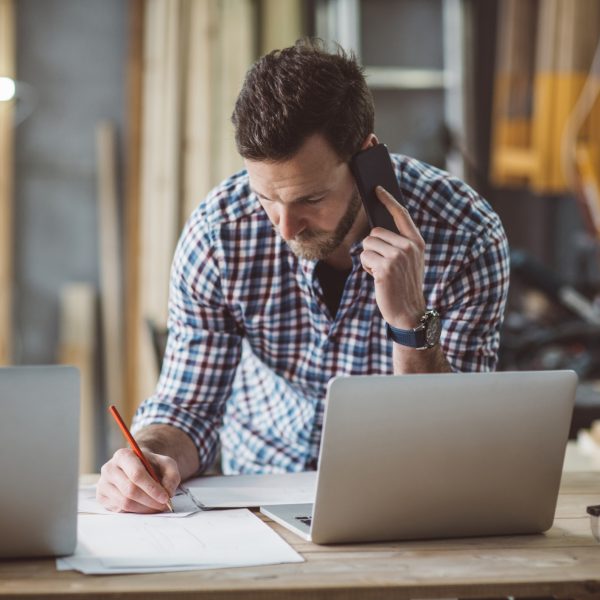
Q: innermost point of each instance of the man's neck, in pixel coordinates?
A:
(340, 258)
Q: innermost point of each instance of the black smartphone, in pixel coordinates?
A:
(372, 167)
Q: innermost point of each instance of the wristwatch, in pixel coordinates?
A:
(425, 335)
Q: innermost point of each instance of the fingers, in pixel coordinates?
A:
(135, 471)
(383, 249)
(383, 258)
(110, 497)
(169, 473)
(386, 243)
(375, 265)
(400, 214)
(134, 486)
(126, 486)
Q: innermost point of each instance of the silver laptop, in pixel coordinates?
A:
(39, 456)
(437, 456)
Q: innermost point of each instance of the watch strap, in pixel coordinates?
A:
(413, 338)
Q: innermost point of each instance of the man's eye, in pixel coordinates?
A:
(314, 201)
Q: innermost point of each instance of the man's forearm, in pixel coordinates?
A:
(410, 360)
(170, 441)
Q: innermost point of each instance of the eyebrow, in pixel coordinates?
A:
(299, 199)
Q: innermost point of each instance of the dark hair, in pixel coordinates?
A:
(293, 93)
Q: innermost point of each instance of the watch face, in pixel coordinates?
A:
(433, 330)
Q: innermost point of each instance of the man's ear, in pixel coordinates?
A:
(370, 140)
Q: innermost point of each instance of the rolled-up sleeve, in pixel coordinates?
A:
(472, 307)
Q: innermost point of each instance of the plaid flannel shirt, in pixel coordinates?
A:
(252, 345)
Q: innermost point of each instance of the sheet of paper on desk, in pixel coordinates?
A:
(207, 540)
(239, 491)
(183, 506)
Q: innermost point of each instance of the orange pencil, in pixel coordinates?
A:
(115, 413)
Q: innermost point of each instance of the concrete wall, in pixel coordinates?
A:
(73, 53)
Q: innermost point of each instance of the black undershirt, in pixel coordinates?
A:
(332, 281)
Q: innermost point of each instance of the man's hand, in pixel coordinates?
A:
(397, 264)
(126, 486)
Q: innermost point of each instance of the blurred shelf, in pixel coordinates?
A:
(397, 78)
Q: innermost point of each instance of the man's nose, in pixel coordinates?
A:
(290, 225)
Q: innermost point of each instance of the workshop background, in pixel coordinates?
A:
(114, 124)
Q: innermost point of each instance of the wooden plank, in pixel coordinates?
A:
(513, 89)
(222, 46)
(160, 173)
(282, 24)
(236, 18)
(145, 368)
(7, 69)
(198, 158)
(577, 37)
(543, 133)
(195, 57)
(77, 339)
(563, 563)
(132, 256)
(110, 261)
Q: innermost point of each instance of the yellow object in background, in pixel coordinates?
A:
(545, 51)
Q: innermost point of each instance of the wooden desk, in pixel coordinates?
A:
(564, 563)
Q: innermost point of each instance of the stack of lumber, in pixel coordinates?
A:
(186, 69)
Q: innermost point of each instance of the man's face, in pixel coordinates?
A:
(311, 199)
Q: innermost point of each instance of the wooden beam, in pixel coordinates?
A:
(195, 56)
(513, 90)
(7, 69)
(133, 319)
(110, 264)
(160, 174)
(544, 127)
(282, 24)
(198, 157)
(76, 348)
(236, 52)
(578, 34)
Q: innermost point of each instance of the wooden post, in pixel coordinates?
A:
(282, 24)
(578, 36)
(160, 174)
(236, 51)
(512, 160)
(76, 347)
(198, 156)
(7, 69)
(195, 55)
(133, 320)
(110, 261)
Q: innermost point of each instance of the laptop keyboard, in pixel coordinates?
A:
(305, 520)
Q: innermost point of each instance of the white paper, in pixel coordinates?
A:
(183, 505)
(207, 540)
(243, 491)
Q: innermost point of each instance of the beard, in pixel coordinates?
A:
(317, 244)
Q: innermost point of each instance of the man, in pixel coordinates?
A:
(278, 285)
